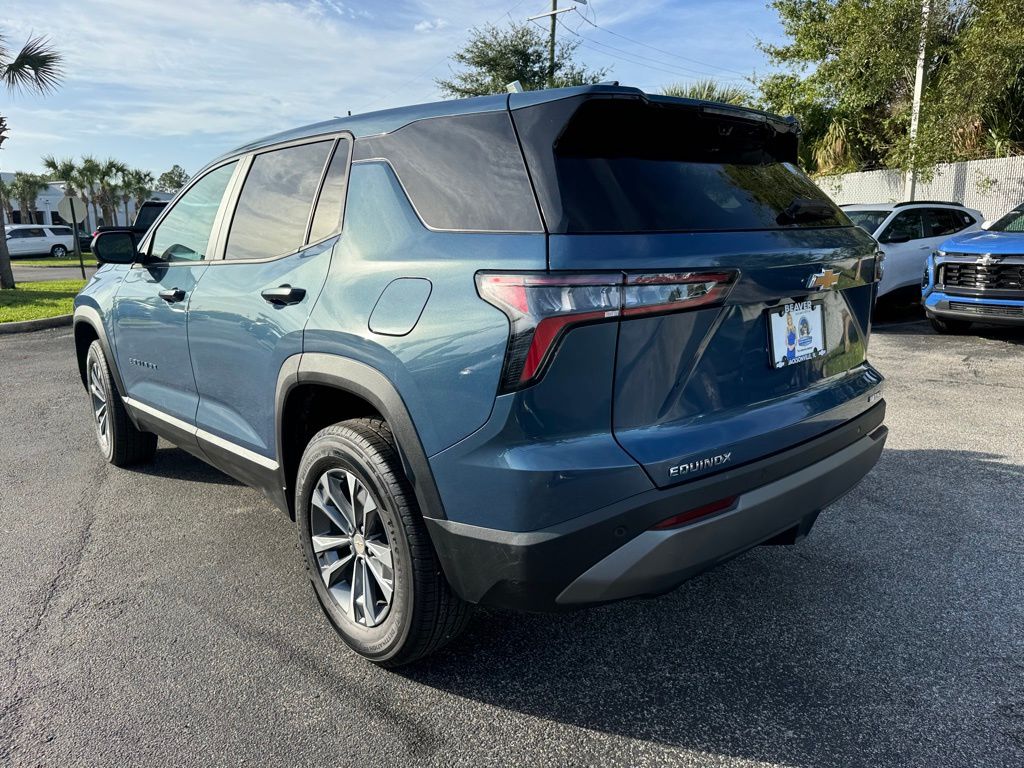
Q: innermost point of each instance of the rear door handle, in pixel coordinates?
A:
(172, 295)
(284, 294)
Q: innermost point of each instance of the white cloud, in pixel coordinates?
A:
(431, 26)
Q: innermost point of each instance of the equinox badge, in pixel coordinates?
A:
(699, 464)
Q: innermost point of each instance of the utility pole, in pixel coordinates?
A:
(910, 178)
(551, 45)
(553, 13)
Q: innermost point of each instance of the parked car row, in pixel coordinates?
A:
(967, 270)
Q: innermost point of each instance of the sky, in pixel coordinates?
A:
(154, 83)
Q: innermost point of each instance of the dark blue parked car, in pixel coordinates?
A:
(977, 277)
(539, 350)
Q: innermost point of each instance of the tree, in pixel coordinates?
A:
(710, 90)
(172, 180)
(848, 74)
(140, 186)
(25, 188)
(89, 177)
(109, 170)
(36, 68)
(494, 57)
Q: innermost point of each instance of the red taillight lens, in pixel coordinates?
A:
(542, 307)
(694, 514)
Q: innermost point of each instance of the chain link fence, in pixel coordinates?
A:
(990, 186)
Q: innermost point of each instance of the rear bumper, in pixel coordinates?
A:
(974, 309)
(612, 554)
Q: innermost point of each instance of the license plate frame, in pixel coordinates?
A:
(807, 340)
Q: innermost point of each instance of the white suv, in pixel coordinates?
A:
(908, 233)
(33, 240)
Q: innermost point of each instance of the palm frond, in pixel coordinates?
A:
(37, 67)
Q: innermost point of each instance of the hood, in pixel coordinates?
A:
(983, 241)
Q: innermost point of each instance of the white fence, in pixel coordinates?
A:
(990, 186)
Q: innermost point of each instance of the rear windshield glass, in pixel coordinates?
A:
(147, 215)
(626, 166)
(869, 221)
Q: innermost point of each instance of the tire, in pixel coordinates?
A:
(58, 251)
(949, 325)
(121, 443)
(422, 613)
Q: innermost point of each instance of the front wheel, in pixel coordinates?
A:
(949, 325)
(121, 443)
(58, 251)
(367, 549)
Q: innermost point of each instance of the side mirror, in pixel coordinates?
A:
(986, 224)
(116, 247)
(897, 238)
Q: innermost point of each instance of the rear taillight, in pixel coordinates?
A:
(541, 307)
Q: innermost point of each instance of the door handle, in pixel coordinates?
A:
(283, 294)
(172, 295)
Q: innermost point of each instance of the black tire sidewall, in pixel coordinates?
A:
(340, 450)
(95, 353)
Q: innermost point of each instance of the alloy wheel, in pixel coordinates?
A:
(98, 393)
(352, 547)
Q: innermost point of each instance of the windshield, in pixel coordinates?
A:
(1011, 222)
(869, 221)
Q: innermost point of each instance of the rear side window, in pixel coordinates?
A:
(273, 208)
(624, 165)
(327, 217)
(462, 173)
(943, 221)
(61, 231)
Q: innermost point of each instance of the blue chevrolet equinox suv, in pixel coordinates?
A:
(536, 350)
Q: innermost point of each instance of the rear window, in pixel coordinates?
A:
(617, 165)
(147, 215)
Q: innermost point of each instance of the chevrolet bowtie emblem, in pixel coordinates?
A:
(824, 280)
(988, 260)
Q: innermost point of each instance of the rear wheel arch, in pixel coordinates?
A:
(316, 390)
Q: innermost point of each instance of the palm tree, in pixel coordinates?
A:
(710, 90)
(109, 170)
(36, 68)
(141, 186)
(26, 187)
(125, 178)
(88, 178)
(5, 200)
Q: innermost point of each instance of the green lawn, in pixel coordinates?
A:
(68, 261)
(31, 301)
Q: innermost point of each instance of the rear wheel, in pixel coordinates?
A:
(121, 443)
(367, 550)
(949, 326)
(58, 251)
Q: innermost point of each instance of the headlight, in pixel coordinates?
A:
(939, 253)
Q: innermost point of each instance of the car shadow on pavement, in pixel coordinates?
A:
(886, 638)
(176, 464)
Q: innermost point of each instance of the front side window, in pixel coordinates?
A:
(273, 208)
(17, 234)
(908, 225)
(869, 221)
(184, 234)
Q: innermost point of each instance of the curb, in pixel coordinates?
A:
(35, 325)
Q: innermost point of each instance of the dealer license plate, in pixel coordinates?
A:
(796, 333)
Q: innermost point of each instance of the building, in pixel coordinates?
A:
(47, 202)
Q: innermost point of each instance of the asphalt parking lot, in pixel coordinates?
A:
(162, 616)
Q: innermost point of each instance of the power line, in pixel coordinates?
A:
(659, 65)
(595, 25)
